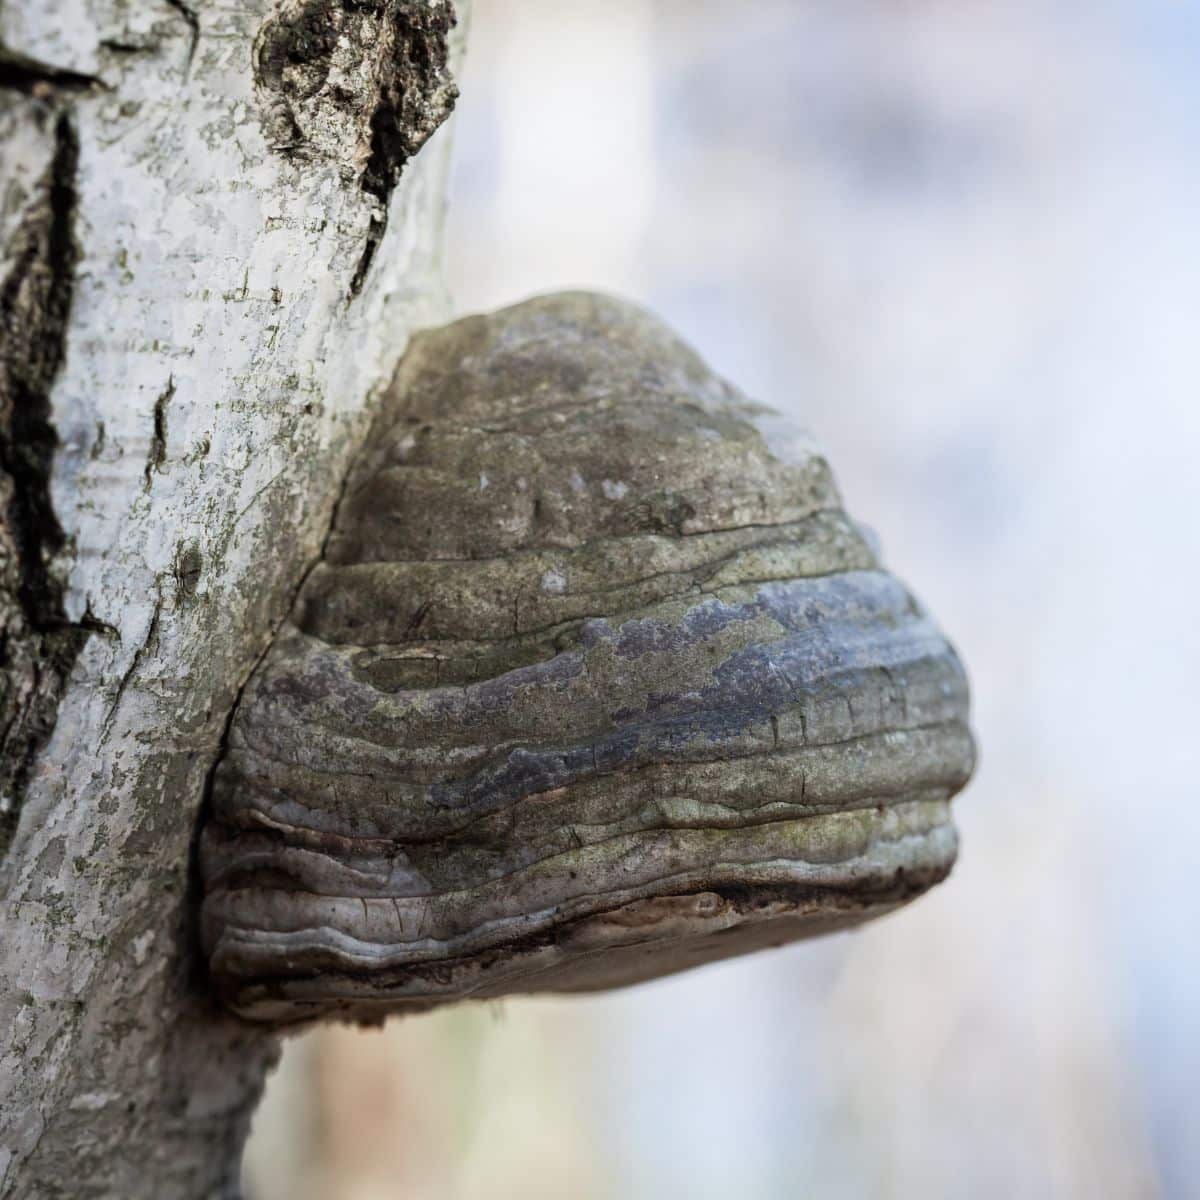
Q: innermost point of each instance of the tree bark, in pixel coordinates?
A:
(207, 271)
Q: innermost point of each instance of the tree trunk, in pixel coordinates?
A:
(207, 270)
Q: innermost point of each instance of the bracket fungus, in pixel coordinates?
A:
(595, 681)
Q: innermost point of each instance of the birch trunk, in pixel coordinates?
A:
(207, 270)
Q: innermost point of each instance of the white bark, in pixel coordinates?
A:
(218, 374)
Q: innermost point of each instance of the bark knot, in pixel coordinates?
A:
(359, 83)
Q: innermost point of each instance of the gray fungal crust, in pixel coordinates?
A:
(596, 681)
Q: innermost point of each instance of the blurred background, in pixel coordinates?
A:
(958, 241)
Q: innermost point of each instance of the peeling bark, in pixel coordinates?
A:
(182, 383)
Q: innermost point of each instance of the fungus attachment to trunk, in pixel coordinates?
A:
(595, 682)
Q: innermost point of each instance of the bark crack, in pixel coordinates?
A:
(38, 645)
(148, 645)
(20, 73)
(193, 23)
(157, 453)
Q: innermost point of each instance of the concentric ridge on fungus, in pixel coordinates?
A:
(596, 681)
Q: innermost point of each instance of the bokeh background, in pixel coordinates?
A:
(959, 241)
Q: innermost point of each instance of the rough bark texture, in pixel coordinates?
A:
(594, 682)
(195, 317)
(38, 646)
